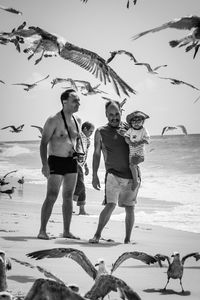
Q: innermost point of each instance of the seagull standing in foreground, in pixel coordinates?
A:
(176, 267)
(5, 265)
(30, 85)
(167, 128)
(14, 129)
(183, 23)
(104, 283)
(40, 41)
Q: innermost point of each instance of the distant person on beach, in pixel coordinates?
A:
(136, 137)
(59, 152)
(118, 179)
(87, 130)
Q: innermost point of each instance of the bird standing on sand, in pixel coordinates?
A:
(40, 41)
(30, 85)
(167, 128)
(176, 267)
(192, 40)
(104, 283)
(21, 181)
(14, 129)
(5, 265)
(9, 192)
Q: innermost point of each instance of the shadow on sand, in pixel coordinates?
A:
(167, 292)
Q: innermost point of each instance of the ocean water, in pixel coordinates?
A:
(170, 178)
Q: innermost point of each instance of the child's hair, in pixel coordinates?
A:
(87, 125)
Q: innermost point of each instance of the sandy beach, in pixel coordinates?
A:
(19, 223)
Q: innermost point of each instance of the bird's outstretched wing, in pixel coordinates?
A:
(95, 64)
(114, 53)
(107, 283)
(42, 79)
(8, 174)
(11, 10)
(40, 269)
(167, 128)
(72, 253)
(196, 255)
(38, 127)
(149, 68)
(12, 126)
(161, 257)
(158, 67)
(184, 23)
(183, 128)
(142, 256)
(20, 127)
(177, 82)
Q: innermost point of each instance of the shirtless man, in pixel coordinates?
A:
(58, 164)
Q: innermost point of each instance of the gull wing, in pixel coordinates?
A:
(38, 127)
(185, 23)
(9, 173)
(12, 126)
(142, 256)
(183, 128)
(20, 127)
(72, 253)
(107, 283)
(167, 128)
(158, 67)
(92, 62)
(42, 79)
(162, 257)
(149, 68)
(40, 269)
(196, 255)
(24, 84)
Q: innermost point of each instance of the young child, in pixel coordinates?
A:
(136, 136)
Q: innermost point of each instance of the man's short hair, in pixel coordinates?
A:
(87, 125)
(114, 102)
(65, 94)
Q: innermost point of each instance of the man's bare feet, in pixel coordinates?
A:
(83, 213)
(43, 236)
(94, 240)
(70, 236)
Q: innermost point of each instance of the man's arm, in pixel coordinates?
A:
(96, 160)
(47, 133)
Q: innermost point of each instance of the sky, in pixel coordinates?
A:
(101, 26)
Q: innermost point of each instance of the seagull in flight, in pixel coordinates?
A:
(167, 128)
(104, 283)
(60, 80)
(11, 10)
(114, 53)
(87, 89)
(30, 86)
(177, 82)
(192, 40)
(39, 128)
(42, 42)
(149, 68)
(2, 81)
(14, 129)
(176, 266)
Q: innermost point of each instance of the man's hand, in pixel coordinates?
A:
(96, 182)
(86, 170)
(45, 170)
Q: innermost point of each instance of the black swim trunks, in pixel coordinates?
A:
(62, 165)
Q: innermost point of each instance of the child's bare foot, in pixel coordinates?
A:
(43, 236)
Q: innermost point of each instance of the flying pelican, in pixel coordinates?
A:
(142, 256)
(114, 53)
(14, 129)
(149, 68)
(2, 180)
(5, 265)
(175, 268)
(183, 23)
(9, 192)
(177, 82)
(31, 85)
(167, 128)
(43, 42)
(39, 128)
(11, 10)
